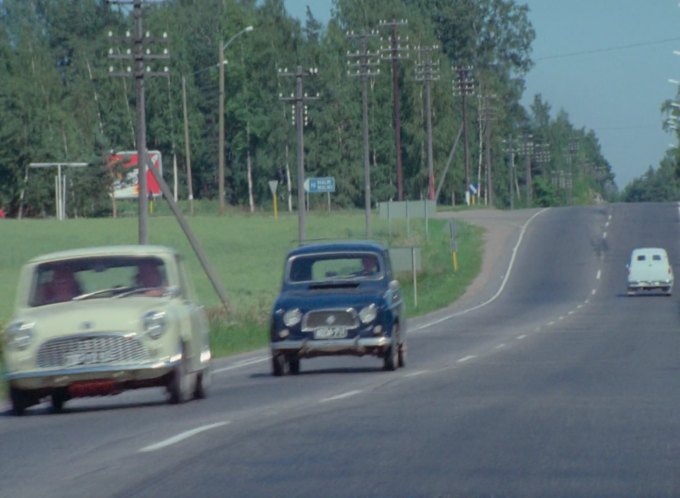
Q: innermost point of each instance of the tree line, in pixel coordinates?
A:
(59, 103)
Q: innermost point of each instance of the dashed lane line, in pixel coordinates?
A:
(181, 437)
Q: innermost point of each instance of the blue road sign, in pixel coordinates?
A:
(319, 185)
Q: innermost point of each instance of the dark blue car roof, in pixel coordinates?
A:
(355, 245)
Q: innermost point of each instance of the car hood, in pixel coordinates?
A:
(100, 315)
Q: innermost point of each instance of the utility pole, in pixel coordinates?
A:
(427, 73)
(509, 147)
(299, 99)
(541, 156)
(464, 86)
(573, 166)
(140, 71)
(527, 150)
(394, 53)
(187, 151)
(364, 67)
(488, 113)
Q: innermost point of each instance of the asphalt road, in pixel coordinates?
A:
(544, 380)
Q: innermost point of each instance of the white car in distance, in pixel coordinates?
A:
(649, 270)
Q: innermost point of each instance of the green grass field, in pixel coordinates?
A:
(247, 252)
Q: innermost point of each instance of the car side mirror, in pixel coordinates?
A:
(394, 285)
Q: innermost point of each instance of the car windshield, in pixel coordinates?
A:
(90, 278)
(319, 267)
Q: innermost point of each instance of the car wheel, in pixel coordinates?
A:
(20, 400)
(58, 399)
(179, 386)
(203, 382)
(294, 365)
(278, 364)
(391, 359)
(402, 354)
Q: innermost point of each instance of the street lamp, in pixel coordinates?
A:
(221, 139)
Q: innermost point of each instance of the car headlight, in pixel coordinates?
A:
(154, 324)
(19, 335)
(292, 317)
(368, 313)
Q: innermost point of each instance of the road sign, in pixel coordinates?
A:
(320, 185)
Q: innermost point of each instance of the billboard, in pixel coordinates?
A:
(126, 179)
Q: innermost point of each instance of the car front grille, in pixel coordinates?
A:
(330, 318)
(92, 349)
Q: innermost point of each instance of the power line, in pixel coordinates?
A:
(607, 49)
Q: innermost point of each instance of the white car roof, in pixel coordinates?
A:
(119, 250)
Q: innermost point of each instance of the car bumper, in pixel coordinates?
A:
(358, 346)
(63, 377)
(650, 285)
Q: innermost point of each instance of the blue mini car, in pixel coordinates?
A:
(338, 298)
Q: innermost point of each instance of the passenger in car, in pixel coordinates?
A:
(369, 265)
(149, 276)
(62, 287)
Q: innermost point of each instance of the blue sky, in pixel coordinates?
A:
(606, 63)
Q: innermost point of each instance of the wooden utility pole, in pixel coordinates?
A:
(427, 73)
(364, 68)
(465, 86)
(299, 100)
(139, 72)
(395, 52)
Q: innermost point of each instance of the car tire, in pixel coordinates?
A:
(58, 398)
(278, 364)
(391, 359)
(20, 401)
(294, 365)
(203, 382)
(401, 355)
(179, 385)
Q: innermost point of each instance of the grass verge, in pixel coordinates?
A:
(247, 251)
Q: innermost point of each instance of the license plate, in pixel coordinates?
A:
(87, 358)
(330, 333)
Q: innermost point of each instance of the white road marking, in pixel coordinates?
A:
(181, 437)
(466, 358)
(416, 373)
(593, 292)
(520, 337)
(340, 396)
(241, 364)
(506, 277)
(604, 235)
(500, 346)
(599, 274)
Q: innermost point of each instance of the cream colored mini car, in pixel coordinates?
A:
(98, 321)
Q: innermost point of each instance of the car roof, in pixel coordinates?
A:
(114, 250)
(649, 249)
(339, 246)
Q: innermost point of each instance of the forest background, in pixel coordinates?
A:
(60, 103)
